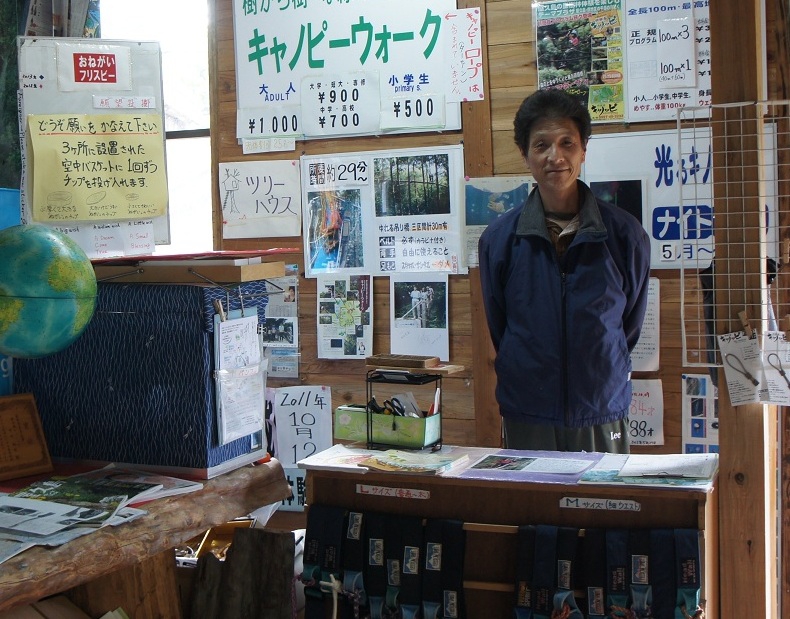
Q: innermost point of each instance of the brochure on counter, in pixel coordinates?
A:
(692, 471)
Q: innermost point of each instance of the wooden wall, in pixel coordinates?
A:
(471, 415)
(748, 499)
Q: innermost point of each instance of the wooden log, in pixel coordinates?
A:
(40, 572)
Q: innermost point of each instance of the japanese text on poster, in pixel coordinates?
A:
(646, 415)
(580, 51)
(260, 199)
(97, 166)
(668, 51)
(383, 212)
(680, 230)
(303, 417)
(281, 56)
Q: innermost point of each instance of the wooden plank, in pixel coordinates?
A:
(197, 274)
(747, 465)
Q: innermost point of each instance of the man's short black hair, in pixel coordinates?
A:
(550, 103)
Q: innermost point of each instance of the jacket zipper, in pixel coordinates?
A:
(564, 378)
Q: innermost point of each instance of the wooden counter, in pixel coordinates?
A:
(492, 510)
(137, 556)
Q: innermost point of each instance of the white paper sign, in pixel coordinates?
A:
(742, 366)
(112, 239)
(260, 199)
(646, 415)
(646, 353)
(406, 48)
(340, 104)
(653, 91)
(303, 418)
(676, 52)
(345, 316)
(383, 212)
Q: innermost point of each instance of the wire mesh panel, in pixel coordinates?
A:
(733, 163)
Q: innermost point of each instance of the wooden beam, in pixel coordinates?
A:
(479, 161)
(747, 433)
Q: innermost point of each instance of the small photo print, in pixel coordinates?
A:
(503, 463)
(423, 302)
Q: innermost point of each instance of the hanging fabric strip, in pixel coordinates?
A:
(433, 544)
(595, 574)
(525, 564)
(639, 575)
(567, 548)
(687, 571)
(616, 570)
(323, 545)
(545, 569)
(354, 566)
(410, 597)
(454, 543)
(375, 566)
(662, 566)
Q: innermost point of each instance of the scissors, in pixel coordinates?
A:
(393, 406)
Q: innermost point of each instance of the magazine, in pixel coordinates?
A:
(414, 462)
(164, 485)
(106, 494)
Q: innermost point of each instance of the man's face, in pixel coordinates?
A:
(555, 153)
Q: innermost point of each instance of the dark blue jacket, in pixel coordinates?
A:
(563, 331)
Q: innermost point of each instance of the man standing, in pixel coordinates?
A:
(564, 281)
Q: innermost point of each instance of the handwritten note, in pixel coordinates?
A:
(260, 199)
(303, 417)
(675, 52)
(646, 415)
(97, 167)
(240, 376)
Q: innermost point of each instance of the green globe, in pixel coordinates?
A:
(47, 291)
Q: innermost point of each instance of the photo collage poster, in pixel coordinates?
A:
(700, 419)
(345, 316)
(635, 61)
(385, 212)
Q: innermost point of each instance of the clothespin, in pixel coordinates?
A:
(785, 259)
(744, 316)
(219, 309)
(786, 326)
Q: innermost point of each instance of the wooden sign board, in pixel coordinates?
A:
(23, 448)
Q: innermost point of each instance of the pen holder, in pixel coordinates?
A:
(385, 429)
(355, 423)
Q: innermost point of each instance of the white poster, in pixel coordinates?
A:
(646, 354)
(288, 61)
(345, 316)
(646, 415)
(260, 199)
(279, 327)
(668, 58)
(644, 173)
(418, 315)
(383, 212)
(303, 422)
(69, 76)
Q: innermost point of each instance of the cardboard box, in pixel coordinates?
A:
(138, 385)
(350, 423)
